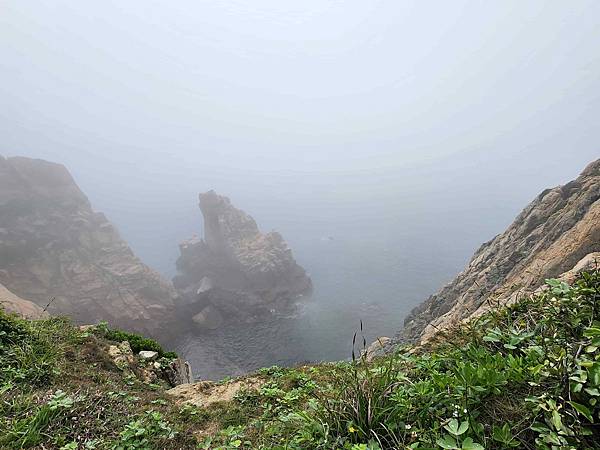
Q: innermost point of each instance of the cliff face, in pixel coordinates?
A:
(236, 272)
(53, 245)
(24, 308)
(557, 230)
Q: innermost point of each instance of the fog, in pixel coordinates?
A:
(410, 132)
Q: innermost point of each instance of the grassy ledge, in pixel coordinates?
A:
(526, 376)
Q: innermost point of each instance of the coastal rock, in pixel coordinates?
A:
(236, 272)
(24, 308)
(54, 246)
(558, 230)
(376, 348)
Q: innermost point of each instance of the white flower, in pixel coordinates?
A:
(408, 426)
(465, 410)
(455, 413)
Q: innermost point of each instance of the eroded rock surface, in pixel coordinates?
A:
(549, 238)
(24, 308)
(53, 245)
(236, 272)
(205, 393)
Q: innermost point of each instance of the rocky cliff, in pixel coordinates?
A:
(24, 308)
(54, 246)
(555, 232)
(236, 272)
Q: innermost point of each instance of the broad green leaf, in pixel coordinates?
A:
(468, 444)
(463, 427)
(452, 426)
(592, 391)
(447, 442)
(594, 374)
(556, 420)
(583, 410)
(591, 332)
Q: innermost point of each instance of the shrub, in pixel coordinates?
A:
(527, 376)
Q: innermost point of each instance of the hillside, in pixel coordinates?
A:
(525, 376)
(559, 228)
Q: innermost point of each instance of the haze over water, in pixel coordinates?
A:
(385, 140)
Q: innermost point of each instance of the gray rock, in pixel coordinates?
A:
(376, 348)
(236, 271)
(148, 355)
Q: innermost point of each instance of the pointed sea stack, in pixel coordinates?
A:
(236, 273)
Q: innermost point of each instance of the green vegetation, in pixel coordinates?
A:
(526, 376)
(59, 389)
(137, 342)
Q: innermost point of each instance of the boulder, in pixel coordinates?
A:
(148, 355)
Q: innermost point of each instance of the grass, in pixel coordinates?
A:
(526, 376)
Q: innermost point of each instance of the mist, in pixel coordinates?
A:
(408, 132)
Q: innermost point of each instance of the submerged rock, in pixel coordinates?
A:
(236, 272)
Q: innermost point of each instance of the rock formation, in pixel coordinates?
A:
(555, 232)
(235, 272)
(11, 303)
(54, 246)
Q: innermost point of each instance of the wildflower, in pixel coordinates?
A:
(408, 426)
(455, 413)
(465, 410)
(351, 429)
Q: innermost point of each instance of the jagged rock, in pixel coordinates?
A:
(122, 355)
(376, 348)
(236, 272)
(53, 245)
(179, 372)
(554, 233)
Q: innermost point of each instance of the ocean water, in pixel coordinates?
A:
(356, 278)
(375, 246)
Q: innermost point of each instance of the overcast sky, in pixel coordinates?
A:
(279, 103)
